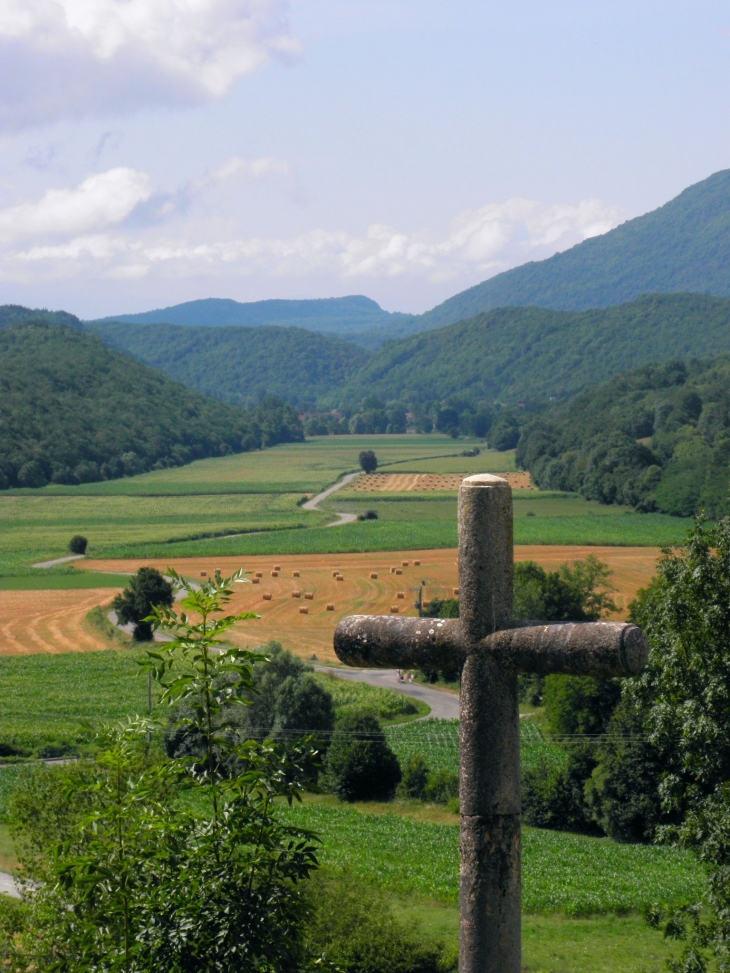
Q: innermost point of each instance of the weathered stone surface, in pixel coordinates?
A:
(493, 648)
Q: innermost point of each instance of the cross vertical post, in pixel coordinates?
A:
(490, 884)
(491, 648)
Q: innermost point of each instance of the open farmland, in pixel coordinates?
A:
(49, 621)
(311, 633)
(426, 482)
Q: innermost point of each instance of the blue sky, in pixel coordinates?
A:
(155, 151)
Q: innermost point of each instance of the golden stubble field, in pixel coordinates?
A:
(426, 482)
(49, 621)
(311, 634)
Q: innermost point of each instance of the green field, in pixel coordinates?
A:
(562, 873)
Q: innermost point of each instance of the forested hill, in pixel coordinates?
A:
(682, 246)
(72, 410)
(527, 354)
(337, 315)
(657, 438)
(241, 365)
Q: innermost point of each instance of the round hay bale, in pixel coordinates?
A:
(404, 564)
(427, 604)
(255, 580)
(398, 571)
(393, 570)
(203, 574)
(335, 573)
(401, 595)
(340, 577)
(267, 596)
(394, 609)
(303, 610)
(417, 564)
(309, 595)
(295, 574)
(374, 575)
(259, 574)
(274, 574)
(456, 592)
(277, 567)
(296, 594)
(330, 608)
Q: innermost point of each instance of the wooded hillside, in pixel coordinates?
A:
(531, 354)
(241, 365)
(657, 438)
(74, 411)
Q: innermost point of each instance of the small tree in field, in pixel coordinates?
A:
(147, 590)
(78, 544)
(368, 461)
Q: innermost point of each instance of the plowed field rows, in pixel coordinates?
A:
(49, 621)
(426, 482)
(311, 633)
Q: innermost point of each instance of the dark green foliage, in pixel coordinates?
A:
(78, 544)
(353, 927)
(442, 786)
(147, 590)
(579, 704)
(73, 411)
(442, 608)
(578, 593)
(623, 791)
(681, 413)
(368, 515)
(529, 355)
(553, 793)
(360, 765)
(504, 433)
(368, 461)
(682, 246)
(287, 703)
(415, 777)
(241, 365)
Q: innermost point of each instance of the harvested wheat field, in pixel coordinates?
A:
(426, 482)
(49, 621)
(346, 582)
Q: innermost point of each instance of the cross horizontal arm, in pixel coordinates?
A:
(392, 642)
(572, 648)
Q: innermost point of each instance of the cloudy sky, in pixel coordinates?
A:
(156, 151)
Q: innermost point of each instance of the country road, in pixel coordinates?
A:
(444, 706)
(313, 504)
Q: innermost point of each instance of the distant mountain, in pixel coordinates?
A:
(684, 246)
(336, 315)
(16, 313)
(241, 365)
(518, 354)
(75, 411)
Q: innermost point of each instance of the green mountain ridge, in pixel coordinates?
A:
(534, 354)
(241, 365)
(74, 411)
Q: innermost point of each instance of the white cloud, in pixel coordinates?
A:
(71, 57)
(100, 201)
(479, 244)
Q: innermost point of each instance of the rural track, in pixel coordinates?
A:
(444, 706)
(344, 518)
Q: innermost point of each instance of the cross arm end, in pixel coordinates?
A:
(572, 648)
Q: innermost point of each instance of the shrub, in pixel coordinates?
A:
(553, 792)
(442, 786)
(78, 544)
(353, 927)
(360, 764)
(368, 515)
(415, 777)
(147, 590)
(368, 461)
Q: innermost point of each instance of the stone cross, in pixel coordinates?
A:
(492, 649)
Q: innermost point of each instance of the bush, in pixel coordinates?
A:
(368, 461)
(415, 778)
(579, 704)
(147, 590)
(78, 544)
(360, 765)
(353, 927)
(442, 786)
(553, 792)
(368, 515)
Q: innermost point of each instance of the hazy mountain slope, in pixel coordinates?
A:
(515, 354)
(15, 313)
(684, 246)
(72, 410)
(241, 365)
(337, 315)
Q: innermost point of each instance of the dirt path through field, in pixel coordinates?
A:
(310, 632)
(49, 621)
